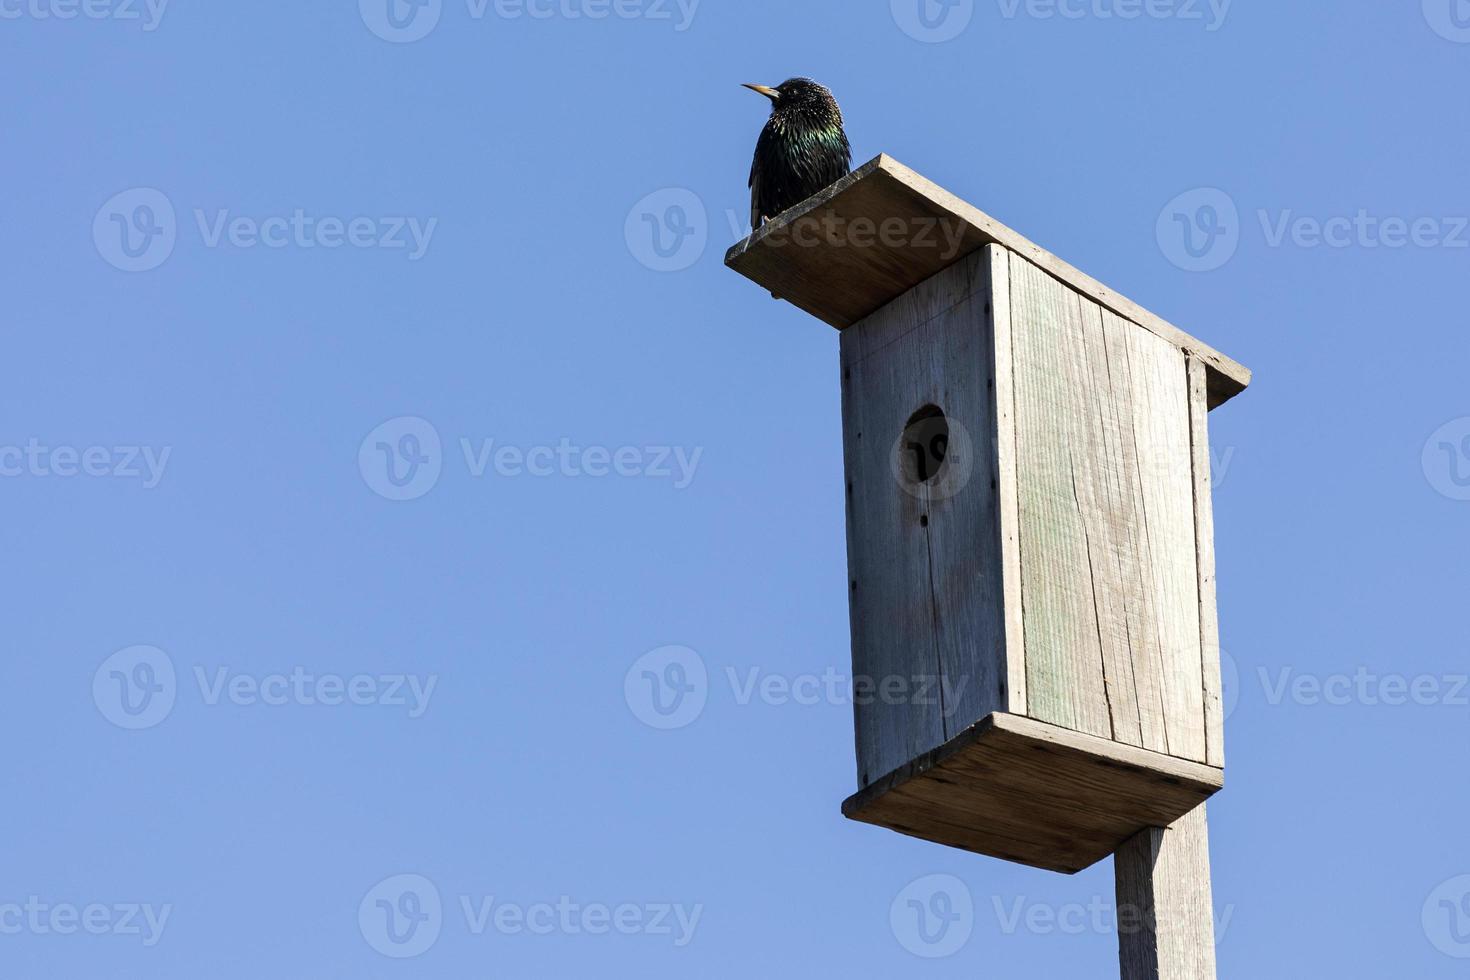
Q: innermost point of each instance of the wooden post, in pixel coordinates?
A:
(1166, 914)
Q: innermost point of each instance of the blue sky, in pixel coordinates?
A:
(253, 252)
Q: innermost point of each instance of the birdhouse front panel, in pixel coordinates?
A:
(925, 586)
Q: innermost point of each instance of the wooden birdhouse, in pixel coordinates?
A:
(1029, 534)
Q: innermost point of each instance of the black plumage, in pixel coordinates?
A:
(802, 149)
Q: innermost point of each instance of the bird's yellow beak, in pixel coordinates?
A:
(765, 90)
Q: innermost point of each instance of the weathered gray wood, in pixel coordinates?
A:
(828, 257)
(1060, 566)
(924, 559)
(1007, 491)
(890, 599)
(1038, 794)
(1160, 397)
(965, 549)
(1204, 536)
(1099, 464)
(1065, 682)
(1165, 904)
(1137, 593)
(1109, 565)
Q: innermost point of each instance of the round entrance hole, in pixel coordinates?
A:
(924, 445)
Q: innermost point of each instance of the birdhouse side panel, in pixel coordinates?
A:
(1106, 497)
(926, 604)
(1204, 535)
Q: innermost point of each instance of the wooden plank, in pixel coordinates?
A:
(1101, 485)
(1065, 681)
(1165, 902)
(1024, 791)
(1165, 536)
(830, 256)
(1129, 517)
(965, 551)
(1007, 501)
(890, 599)
(1204, 537)
(923, 558)
(1106, 522)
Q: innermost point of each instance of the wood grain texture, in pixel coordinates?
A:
(1065, 680)
(828, 256)
(1107, 528)
(965, 550)
(1007, 491)
(1160, 400)
(1037, 794)
(923, 558)
(1165, 903)
(1204, 535)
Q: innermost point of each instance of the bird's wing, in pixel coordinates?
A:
(762, 153)
(755, 201)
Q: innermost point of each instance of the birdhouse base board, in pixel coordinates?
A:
(1025, 791)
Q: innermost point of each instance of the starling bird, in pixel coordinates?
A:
(802, 150)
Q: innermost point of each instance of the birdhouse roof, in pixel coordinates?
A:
(883, 229)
